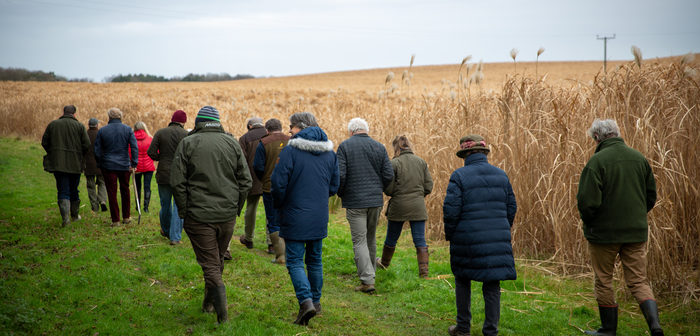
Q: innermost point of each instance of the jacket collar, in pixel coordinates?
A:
(207, 126)
(174, 123)
(114, 121)
(72, 116)
(608, 143)
(474, 158)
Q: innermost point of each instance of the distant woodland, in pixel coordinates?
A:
(18, 74)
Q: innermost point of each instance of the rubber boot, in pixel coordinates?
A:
(75, 210)
(608, 321)
(651, 314)
(387, 254)
(64, 208)
(146, 200)
(279, 247)
(208, 303)
(422, 255)
(220, 305)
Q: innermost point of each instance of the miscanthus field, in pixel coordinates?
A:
(91, 279)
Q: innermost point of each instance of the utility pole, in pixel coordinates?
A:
(605, 50)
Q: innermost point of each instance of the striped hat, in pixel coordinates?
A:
(209, 113)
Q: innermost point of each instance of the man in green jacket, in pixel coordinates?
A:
(66, 142)
(616, 191)
(210, 180)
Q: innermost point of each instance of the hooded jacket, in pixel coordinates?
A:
(478, 213)
(615, 192)
(303, 179)
(115, 147)
(209, 175)
(65, 142)
(411, 183)
(145, 163)
(163, 148)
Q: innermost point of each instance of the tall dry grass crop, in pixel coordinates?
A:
(536, 130)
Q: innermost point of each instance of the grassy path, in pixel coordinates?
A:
(91, 279)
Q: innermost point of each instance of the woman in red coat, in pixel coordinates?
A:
(145, 167)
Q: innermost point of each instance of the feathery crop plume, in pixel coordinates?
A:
(513, 55)
(687, 58)
(537, 61)
(389, 77)
(637, 55)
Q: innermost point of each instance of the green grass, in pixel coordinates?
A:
(90, 279)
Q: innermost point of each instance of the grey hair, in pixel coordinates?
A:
(302, 120)
(357, 124)
(603, 129)
(255, 121)
(114, 113)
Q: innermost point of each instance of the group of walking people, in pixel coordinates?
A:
(211, 176)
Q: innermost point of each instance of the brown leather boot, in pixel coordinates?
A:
(279, 247)
(422, 255)
(387, 254)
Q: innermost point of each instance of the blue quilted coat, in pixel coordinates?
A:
(478, 213)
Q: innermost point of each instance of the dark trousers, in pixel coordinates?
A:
(111, 178)
(67, 185)
(209, 242)
(271, 214)
(147, 177)
(492, 305)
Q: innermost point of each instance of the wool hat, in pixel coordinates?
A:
(208, 112)
(93, 122)
(179, 116)
(469, 143)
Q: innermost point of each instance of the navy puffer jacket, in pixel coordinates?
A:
(303, 179)
(478, 212)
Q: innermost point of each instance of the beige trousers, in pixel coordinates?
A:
(634, 265)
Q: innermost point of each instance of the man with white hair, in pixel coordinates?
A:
(117, 154)
(365, 171)
(616, 190)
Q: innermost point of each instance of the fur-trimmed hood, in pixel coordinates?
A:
(312, 139)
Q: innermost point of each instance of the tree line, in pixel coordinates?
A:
(18, 74)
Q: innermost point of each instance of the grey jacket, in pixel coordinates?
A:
(365, 171)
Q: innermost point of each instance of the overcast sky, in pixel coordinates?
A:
(99, 38)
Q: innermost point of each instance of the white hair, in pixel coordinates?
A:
(603, 129)
(357, 124)
(114, 113)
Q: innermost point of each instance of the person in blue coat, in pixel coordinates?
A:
(117, 155)
(303, 179)
(478, 214)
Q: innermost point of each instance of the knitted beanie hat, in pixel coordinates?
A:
(209, 113)
(179, 116)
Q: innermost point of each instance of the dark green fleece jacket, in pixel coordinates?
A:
(616, 191)
(209, 175)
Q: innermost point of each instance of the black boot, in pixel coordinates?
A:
(146, 200)
(64, 208)
(75, 210)
(306, 312)
(651, 314)
(208, 303)
(387, 254)
(608, 321)
(220, 304)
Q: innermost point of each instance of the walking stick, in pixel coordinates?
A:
(138, 206)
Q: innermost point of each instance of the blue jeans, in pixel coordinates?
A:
(271, 214)
(67, 185)
(393, 232)
(305, 286)
(170, 222)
